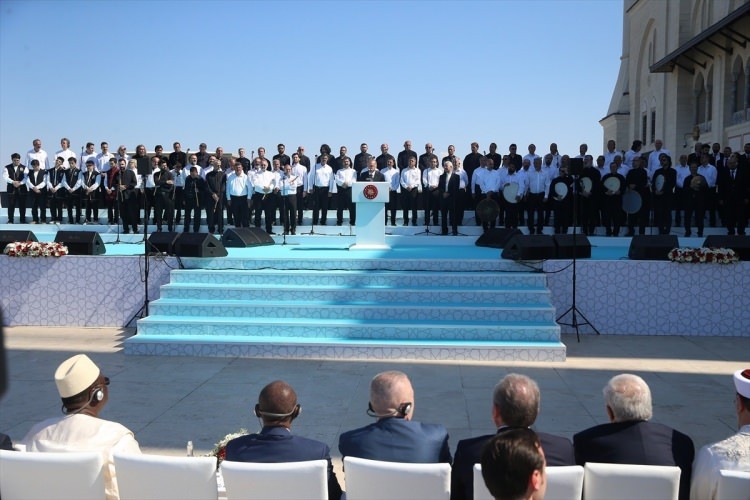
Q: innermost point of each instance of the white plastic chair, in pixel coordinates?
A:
(563, 483)
(375, 480)
(733, 485)
(616, 481)
(32, 476)
(154, 477)
(281, 481)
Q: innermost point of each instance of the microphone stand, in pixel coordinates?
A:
(143, 311)
(315, 199)
(573, 309)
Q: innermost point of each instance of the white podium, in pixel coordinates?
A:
(370, 198)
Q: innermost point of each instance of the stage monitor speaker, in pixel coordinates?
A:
(566, 248)
(242, 237)
(740, 244)
(530, 247)
(81, 242)
(161, 242)
(496, 238)
(652, 247)
(13, 236)
(199, 245)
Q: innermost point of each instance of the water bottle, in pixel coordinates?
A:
(190, 448)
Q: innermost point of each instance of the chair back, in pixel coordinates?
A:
(603, 481)
(40, 475)
(280, 481)
(733, 485)
(563, 483)
(375, 480)
(155, 477)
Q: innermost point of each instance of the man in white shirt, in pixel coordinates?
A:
(393, 178)
(321, 185)
(65, 153)
(732, 453)
(84, 392)
(532, 154)
(238, 187)
(653, 159)
(345, 177)
(538, 183)
(430, 181)
(102, 159)
(610, 154)
(635, 150)
(90, 154)
(411, 187)
(299, 173)
(37, 153)
(263, 182)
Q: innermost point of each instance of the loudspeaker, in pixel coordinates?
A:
(566, 247)
(530, 247)
(242, 237)
(740, 244)
(655, 247)
(13, 236)
(199, 245)
(161, 242)
(81, 242)
(496, 238)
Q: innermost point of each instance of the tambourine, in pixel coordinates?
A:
(659, 182)
(561, 189)
(487, 210)
(631, 202)
(587, 184)
(698, 183)
(510, 191)
(612, 184)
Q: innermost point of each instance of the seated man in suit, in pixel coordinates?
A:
(277, 407)
(395, 437)
(630, 437)
(84, 392)
(733, 453)
(515, 404)
(513, 466)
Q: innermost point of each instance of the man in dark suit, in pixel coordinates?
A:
(515, 404)
(277, 407)
(630, 437)
(371, 173)
(448, 187)
(395, 437)
(733, 184)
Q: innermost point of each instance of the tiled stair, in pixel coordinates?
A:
(357, 314)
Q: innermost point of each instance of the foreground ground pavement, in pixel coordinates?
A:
(167, 401)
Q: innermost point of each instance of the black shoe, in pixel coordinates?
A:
(324, 223)
(630, 233)
(444, 232)
(339, 223)
(700, 234)
(687, 234)
(406, 223)
(455, 233)
(10, 222)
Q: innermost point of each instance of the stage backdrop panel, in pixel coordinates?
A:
(92, 291)
(656, 298)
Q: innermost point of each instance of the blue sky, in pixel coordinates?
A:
(248, 74)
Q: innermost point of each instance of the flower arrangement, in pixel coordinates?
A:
(220, 448)
(35, 249)
(703, 255)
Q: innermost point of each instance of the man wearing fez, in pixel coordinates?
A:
(278, 407)
(84, 392)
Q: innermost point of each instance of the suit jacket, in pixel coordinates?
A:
(277, 445)
(637, 442)
(454, 184)
(558, 450)
(397, 440)
(733, 191)
(377, 176)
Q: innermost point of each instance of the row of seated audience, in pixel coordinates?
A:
(529, 188)
(630, 437)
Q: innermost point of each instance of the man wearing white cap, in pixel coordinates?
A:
(732, 453)
(84, 394)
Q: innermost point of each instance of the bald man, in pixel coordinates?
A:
(395, 437)
(278, 407)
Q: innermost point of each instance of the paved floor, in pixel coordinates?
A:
(168, 401)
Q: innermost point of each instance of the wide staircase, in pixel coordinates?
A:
(352, 314)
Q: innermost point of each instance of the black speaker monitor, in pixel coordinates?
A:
(530, 247)
(162, 242)
(496, 238)
(81, 242)
(569, 245)
(199, 245)
(242, 237)
(7, 237)
(652, 247)
(740, 244)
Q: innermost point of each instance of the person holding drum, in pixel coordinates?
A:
(513, 189)
(683, 170)
(561, 194)
(662, 185)
(538, 190)
(614, 185)
(589, 190)
(694, 189)
(635, 199)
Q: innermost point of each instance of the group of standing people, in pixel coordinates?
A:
(618, 189)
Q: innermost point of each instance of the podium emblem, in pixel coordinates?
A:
(370, 192)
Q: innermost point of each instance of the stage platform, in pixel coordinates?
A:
(617, 296)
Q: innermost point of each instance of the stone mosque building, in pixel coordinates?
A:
(684, 75)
